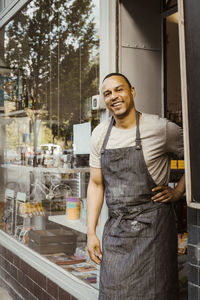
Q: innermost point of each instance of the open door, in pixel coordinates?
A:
(140, 55)
(149, 56)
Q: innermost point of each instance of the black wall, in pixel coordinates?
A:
(192, 39)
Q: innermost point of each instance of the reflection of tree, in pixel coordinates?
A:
(52, 42)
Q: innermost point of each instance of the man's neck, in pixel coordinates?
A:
(127, 122)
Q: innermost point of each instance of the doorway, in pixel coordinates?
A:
(149, 56)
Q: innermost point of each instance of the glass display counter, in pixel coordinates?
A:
(45, 210)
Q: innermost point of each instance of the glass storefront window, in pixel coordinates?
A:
(2, 4)
(49, 71)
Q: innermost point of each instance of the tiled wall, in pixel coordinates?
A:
(24, 282)
(193, 254)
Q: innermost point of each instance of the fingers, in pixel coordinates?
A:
(163, 199)
(98, 252)
(166, 200)
(160, 195)
(163, 194)
(158, 188)
(94, 249)
(94, 257)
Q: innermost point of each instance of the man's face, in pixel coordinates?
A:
(118, 96)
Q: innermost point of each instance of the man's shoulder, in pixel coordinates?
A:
(162, 128)
(101, 127)
(153, 120)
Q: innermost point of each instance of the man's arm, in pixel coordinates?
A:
(95, 195)
(168, 194)
(174, 144)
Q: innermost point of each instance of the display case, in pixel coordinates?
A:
(47, 213)
(45, 191)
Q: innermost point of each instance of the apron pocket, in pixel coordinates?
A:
(142, 225)
(132, 228)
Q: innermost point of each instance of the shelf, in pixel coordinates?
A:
(45, 170)
(74, 224)
(28, 216)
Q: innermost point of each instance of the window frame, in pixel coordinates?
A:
(186, 137)
(10, 10)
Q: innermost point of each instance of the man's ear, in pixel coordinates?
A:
(133, 91)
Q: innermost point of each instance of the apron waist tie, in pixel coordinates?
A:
(134, 214)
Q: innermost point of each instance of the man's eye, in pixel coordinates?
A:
(106, 94)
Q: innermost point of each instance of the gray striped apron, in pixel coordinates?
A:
(139, 245)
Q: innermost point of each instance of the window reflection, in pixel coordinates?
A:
(49, 70)
(51, 66)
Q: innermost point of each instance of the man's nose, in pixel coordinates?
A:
(114, 95)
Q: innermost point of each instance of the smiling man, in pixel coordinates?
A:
(119, 97)
(130, 165)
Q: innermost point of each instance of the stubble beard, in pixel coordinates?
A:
(124, 114)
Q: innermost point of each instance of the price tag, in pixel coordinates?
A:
(9, 193)
(21, 196)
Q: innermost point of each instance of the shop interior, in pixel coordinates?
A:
(149, 55)
(173, 111)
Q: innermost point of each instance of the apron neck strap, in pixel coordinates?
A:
(107, 135)
(138, 140)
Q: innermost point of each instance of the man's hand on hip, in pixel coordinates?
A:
(166, 194)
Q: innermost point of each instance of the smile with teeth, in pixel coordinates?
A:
(117, 104)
